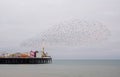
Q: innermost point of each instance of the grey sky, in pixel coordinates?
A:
(23, 19)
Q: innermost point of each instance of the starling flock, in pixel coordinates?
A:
(70, 33)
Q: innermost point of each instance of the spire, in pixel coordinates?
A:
(43, 49)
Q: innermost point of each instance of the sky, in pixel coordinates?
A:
(21, 20)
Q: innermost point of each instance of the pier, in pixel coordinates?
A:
(25, 60)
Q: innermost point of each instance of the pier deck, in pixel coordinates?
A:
(25, 60)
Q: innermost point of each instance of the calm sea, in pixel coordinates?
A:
(64, 68)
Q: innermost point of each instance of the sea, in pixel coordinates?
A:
(63, 68)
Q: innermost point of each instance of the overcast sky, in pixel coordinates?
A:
(24, 19)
